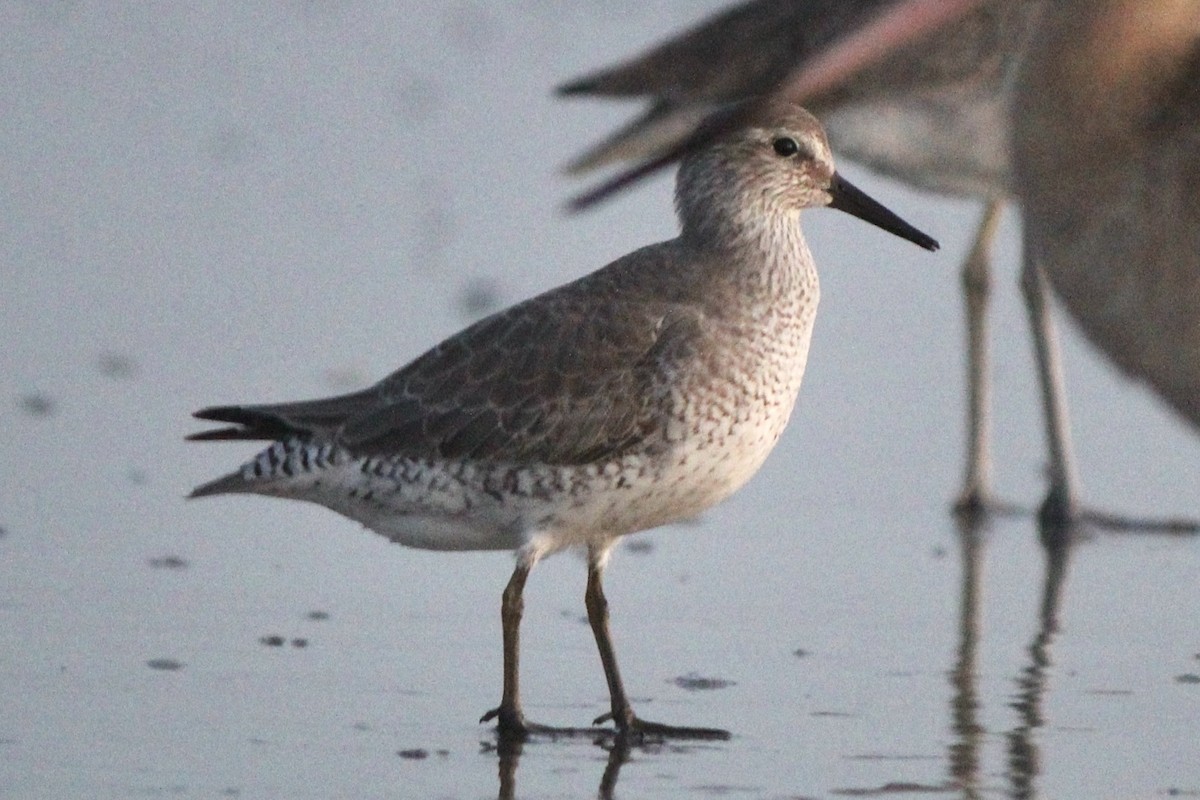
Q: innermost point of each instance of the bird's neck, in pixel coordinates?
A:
(753, 254)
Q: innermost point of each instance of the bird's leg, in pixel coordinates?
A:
(622, 716)
(975, 499)
(510, 719)
(597, 611)
(509, 716)
(1061, 505)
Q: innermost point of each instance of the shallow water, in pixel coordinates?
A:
(215, 205)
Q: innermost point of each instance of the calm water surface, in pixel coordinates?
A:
(217, 205)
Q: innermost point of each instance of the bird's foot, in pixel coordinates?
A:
(511, 724)
(975, 505)
(1121, 523)
(1060, 512)
(633, 729)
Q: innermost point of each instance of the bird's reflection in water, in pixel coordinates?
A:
(1023, 754)
(1024, 764)
(1024, 761)
(619, 750)
(964, 705)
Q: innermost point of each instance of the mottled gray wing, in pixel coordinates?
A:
(556, 380)
(578, 374)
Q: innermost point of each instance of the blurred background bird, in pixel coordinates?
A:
(962, 97)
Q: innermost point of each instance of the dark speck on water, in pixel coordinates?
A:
(800, 652)
(168, 562)
(694, 683)
(640, 546)
(275, 640)
(896, 787)
(232, 145)
(1187, 677)
(117, 365)
(37, 404)
(318, 615)
(165, 664)
(415, 754)
(417, 98)
(479, 297)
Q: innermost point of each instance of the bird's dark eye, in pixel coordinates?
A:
(785, 146)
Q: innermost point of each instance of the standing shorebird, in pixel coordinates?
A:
(638, 395)
(934, 114)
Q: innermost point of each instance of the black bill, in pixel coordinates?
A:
(849, 198)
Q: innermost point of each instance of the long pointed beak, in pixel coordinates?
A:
(845, 196)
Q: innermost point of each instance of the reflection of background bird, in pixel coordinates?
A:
(936, 113)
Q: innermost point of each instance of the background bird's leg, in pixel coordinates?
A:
(1061, 503)
(1061, 508)
(976, 497)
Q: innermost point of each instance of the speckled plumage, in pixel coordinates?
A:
(635, 396)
